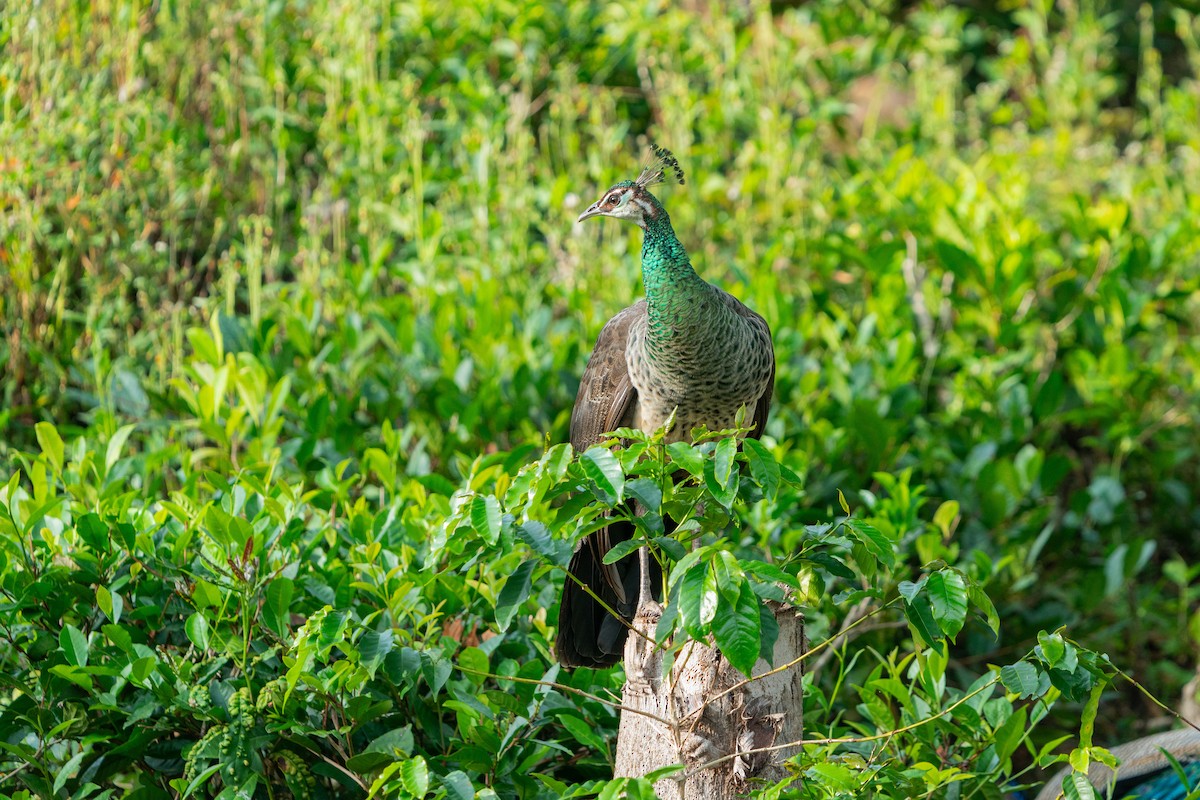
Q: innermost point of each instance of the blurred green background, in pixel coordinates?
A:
(973, 229)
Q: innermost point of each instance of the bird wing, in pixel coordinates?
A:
(606, 396)
(588, 635)
(762, 332)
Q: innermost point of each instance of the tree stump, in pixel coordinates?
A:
(706, 711)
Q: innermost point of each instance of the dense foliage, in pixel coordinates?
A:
(293, 308)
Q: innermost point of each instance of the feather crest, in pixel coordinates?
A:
(661, 162)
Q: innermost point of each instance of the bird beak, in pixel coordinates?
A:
(592, 211)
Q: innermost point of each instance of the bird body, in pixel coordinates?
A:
(690, 350)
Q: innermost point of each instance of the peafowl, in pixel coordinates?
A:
(689, 349)
(1145, 772)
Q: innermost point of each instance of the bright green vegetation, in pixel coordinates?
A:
(291, 294)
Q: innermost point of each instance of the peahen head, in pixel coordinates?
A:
(631, 200)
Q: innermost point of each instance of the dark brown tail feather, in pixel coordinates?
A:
(588, 635)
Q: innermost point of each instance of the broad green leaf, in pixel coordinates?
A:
(910, 589)
(982, 602)
(51, 444)
(1009, 735)
(458, 786)
(118, 636)
(93, 531)
(688, 457)
(332, 627)
(75, 675)
(110, 602)
(1076, 786)
(874, 540)
(515, 592)
(196, 628)
(474, 663)
(74, 645)
(729, 576)
(535, 534)
(1021, 678)
(603, 468)
(763, 467)
(948, 596)
(68, 770)
(723, 460)
(737, 630)
(622, 549)
(112, 453)
(414, 774)
(1053, 647)
(724, 490)
(485, 517)
(646, 492)
(697, 597)
(585, 733)
(373, 647)
(919, 614)
(944, 517)
(277, 607)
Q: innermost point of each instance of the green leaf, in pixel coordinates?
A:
(697, 599)
(373, 647)
(919, 614)
(729, 576)
(688, 457)
(414, 774)
(763, 467)
(874, 540)
(93, 531)
(277, 607)
(842, 502)
(535, 534)
(723, 489)
(1076, 786)
(982, 602)
(944, 517)
(622, 549)
(112, 453)
(515, 592)
(603, 468)
(1053, 647)
(1009, 735)
(118, 636)
(474, 663)
(196, 628)
(75, 675)
(485, 517)
(948, 595)
(737, 630)
(74, 645)
(646, 492)
(110, 602)
(68, 770)
(1021, 678)
(458, 786)
(51, 444)
(910, 589)
(723, 458)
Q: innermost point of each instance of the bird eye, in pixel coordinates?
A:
(613, 199)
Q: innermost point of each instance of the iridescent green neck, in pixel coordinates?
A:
(673, 289)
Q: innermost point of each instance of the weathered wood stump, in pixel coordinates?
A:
(705, 711)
